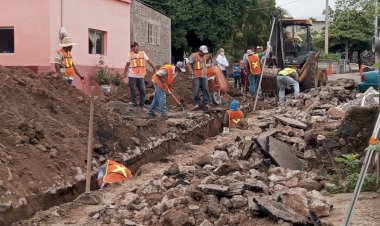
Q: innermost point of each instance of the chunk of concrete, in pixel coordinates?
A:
(279, 211)
(262, 139)
(283, 155)
(256, 186)
(292, 122)
(247, 148)
(214, 189)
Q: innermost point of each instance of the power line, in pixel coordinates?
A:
(272, 6)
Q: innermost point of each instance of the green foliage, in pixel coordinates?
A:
(233, 25)
(353, 24)
(105, 75)
(329, 56)
(344, 180)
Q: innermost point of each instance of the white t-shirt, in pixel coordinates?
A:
(130, 73)
(164, 72)
(222, 62)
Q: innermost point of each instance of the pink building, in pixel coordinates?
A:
(29, 33)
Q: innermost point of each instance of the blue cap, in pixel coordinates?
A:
(234, 105)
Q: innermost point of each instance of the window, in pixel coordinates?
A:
(153, 34)
(7, 40)
(96, 42)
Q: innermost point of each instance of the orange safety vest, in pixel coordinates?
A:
(234, 117)
(199, 65)
(138, 63)
(169, 80)
(254, 64)
(67, 63)
(116, 172)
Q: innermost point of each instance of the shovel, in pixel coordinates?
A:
(176, 100)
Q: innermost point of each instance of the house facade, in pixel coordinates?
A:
(152, 31)
(29, 33)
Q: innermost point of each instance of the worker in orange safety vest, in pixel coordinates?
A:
(253, 64)
(162, 81)
(134, 73)
(63, 60)
(232, 117)
(112, 172)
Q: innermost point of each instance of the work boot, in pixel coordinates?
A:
(207, 106)
(196, 107)
(152, 114)
(226, 130)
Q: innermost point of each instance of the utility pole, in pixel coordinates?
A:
(327, 28)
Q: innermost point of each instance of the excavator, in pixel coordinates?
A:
(291, 46)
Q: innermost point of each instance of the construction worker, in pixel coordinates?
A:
(135, 71)
(162, 81)
(222, 62)
(244, 78)
(254, 68)
(285, 77)
(112, 172)
(63, 60)
(232, 117)
(197, 68)
(260, 52)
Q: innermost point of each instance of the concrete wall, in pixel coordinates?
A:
(141, 16)
(30, 20)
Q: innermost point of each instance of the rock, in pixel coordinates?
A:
(309, 184)
(225, 202)
(247, 148)
(88, 199)
(238, 201)
(4, 206)
(172, 170)
(320, 208)
(298, 202)
(276, 178)
(236, 188)
(292, 182)
(315, 195)
(214, 189)
(331, 143)
(342, 141)
(194, 208)
(295, 173)
(283, 154)
(256, 186)
(262, 139)
(202, 160)
(310, 154)
(223, 220)
(254, 173)
(177, 217)
(194, 193)
(321, 138)
(220, 155)
(253, 208)
(206, 223)
(336, 113)
(129, 223)
(298, 190)
(135, 140)
(215, 210)
(279, 211)
(277, 170)
(226, 168)
(292, 122)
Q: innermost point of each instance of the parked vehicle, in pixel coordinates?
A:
(369, 78)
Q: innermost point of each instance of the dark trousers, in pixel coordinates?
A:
(237, 80)
(137, 84)
(225, 73)
(200, 84)
(247, 85)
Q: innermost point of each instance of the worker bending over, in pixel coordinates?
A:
(162, 81)
(285, 77)
(232, 117)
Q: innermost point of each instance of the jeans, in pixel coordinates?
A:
(237, 81)
(283, 81)
(137, 84)
(200, 84)
(69, 81)
(159, 99)
(253, 83)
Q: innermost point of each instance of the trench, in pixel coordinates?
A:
(44, 201)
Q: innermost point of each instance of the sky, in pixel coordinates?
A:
(303, 9)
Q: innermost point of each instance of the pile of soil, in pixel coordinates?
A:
(44, 132)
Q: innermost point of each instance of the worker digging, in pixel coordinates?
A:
(241, 118)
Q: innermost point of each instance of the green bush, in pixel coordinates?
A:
(102, 76)
(330, 57)
(344, 180)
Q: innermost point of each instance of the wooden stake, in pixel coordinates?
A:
(90, 141)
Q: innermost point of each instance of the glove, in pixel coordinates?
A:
(226, 130)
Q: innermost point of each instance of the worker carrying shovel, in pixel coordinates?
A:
(162, 81)
(232, 117)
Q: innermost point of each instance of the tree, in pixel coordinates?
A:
(352, 24)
